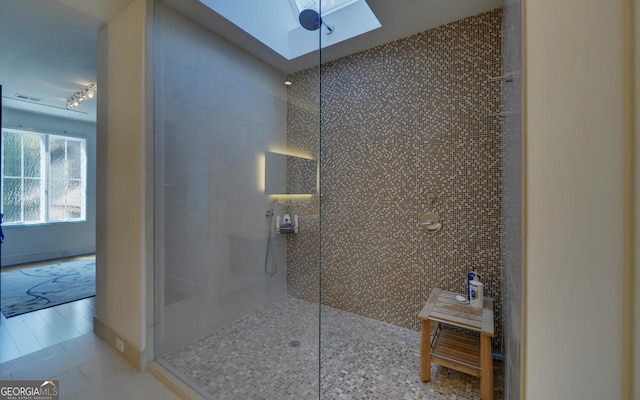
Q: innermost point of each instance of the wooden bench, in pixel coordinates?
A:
(458, 350)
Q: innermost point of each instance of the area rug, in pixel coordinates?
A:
(35, 288)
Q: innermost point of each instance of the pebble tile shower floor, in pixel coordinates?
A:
(272, 354)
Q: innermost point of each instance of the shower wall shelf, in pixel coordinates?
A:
(508, 77)
(288, 226)
(503, 114)
(286, 203)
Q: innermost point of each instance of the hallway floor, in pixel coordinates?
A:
(27, 333)
(24, 334)
(86, 368)
(273, 354)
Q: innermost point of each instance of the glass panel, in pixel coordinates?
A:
(12, 154)
(75, 197)
(32, 155)
(57, 157)
(11, 196)
(66, 188)
(33, 200)
(74, 159)
(304, 266)
(57, 199)
(512, 250)
(221, 264)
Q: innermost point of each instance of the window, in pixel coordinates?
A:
(43, 178)
(66, 179)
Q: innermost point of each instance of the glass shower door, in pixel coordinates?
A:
(232, 319)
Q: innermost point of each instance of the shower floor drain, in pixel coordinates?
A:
(294, 343)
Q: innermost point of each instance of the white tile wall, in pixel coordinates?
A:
(217, 110)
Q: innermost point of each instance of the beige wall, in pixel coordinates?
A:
(120, 285)
(575, 252)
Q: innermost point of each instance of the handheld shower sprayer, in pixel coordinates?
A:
(270, 248)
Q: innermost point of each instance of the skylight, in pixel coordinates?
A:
(274, 24)
(327, 5)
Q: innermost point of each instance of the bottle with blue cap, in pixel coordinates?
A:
(470, 276)
(476, 289)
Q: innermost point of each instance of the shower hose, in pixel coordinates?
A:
(270, 248)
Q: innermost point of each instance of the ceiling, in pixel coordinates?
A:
(50, 53)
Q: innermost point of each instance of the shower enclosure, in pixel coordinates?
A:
(221, 265)
(350, 153)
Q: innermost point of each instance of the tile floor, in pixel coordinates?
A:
(27, 333)
(58, 343)
(268, 354)
(86, 368)
(273, 354)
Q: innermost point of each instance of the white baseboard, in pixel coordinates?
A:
(129, 352)
(45, 255)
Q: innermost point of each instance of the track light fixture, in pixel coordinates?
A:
(86, 93)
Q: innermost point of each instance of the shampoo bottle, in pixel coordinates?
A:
(470, 276)
(476, 288)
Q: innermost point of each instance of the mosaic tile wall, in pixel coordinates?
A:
(399, 122)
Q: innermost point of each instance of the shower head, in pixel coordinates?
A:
(311, 20)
